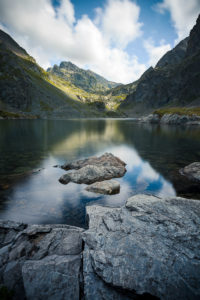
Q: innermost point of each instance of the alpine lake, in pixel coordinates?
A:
(30, 149)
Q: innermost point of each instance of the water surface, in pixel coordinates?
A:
(153, 155)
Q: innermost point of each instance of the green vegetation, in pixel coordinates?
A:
(178, 110)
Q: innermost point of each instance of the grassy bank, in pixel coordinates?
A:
(178, 110)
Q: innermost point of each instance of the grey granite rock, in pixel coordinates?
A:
(94, 169)
(107, 159)
(104, 187)
(151, 246)
(55, 248)
(171, 119)
(192, 171)
(152, 118)
(53, 277)
(179, 119)
(90, 174)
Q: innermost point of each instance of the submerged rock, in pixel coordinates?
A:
(104, 187)
(192, 171)
(94, 169)
(149, 247)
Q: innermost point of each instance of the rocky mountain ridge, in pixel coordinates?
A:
(175, 81)
(84, 79)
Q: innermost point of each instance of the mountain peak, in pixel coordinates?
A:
(84, 79)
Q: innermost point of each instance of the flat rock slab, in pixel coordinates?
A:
(150, 246)
(107, 159)
(94, 169)
(192, 171)
(40, 261)
(108, 187)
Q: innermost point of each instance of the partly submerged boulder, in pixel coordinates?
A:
(90, 174)
(94, 169)
(192, 171)
(150, 247)
(107, 159)
(109, 187)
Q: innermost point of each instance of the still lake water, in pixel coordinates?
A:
(153, 155)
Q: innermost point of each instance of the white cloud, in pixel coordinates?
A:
(119, 21)
(155, 52)
(51, 34)
(183, 14)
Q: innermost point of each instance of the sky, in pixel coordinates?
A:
(118, 39)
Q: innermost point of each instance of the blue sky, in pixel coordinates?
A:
(118, 39)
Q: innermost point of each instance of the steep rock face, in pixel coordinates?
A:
(174, 56)
(84, 79)
(173, 82)
(150, 246)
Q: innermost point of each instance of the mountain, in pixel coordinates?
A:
(84, 79)
(174, 82)
(26, 90)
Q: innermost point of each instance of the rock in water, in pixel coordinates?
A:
(150, 246)
(109, 187)
(107, 159)
(94, 169)
(192, 171)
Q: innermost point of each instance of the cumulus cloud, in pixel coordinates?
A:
(155, 52)
(183, 14)
(53, 34)
(119, 21)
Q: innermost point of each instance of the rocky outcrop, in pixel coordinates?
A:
(171, 119)
(149, 247)
(40, 261)
(108, 187)
(192, 171)
(94, 169)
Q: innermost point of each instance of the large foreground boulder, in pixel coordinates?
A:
(192, 171)
(149, 247)
(94, 169)
(40, 261)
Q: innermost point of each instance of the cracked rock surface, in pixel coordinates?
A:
(147, 249)
(40, 261)
(151, 245)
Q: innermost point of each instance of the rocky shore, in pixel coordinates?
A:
(147, 249)
(171, 119)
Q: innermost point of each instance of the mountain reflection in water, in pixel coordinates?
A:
(153, 156)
